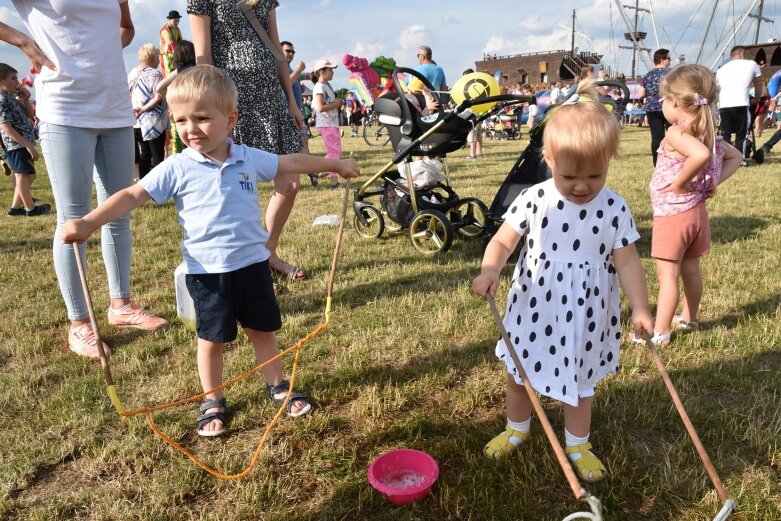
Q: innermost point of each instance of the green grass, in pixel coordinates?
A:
(407, 362)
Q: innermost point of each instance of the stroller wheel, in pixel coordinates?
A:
(469, 217)
(431, 232)
(375, 224)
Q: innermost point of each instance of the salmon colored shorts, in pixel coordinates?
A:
(682, 236)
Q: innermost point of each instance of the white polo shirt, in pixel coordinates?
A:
(217, 204)
(735, 79)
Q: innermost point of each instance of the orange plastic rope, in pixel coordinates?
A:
(262, 442)
(149, 410)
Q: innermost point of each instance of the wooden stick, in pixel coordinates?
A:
(93, 320)
(580, 492)
(332, 275)
(714, 477)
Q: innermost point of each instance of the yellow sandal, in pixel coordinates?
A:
(500, 447)
(589, 468)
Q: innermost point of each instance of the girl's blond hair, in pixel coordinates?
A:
(204, 81)
(146, 52)
(694, 88)
(581, 129)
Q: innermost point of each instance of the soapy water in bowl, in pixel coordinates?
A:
(403, 479)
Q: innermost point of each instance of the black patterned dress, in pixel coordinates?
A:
(264, 119)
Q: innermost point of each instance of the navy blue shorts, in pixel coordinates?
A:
(21, 161)
(245, 295)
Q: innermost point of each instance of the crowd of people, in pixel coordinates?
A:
(223, 89)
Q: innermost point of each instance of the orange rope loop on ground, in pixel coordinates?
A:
(149, 410)
(266, 433)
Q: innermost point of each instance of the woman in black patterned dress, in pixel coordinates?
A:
(224, 38)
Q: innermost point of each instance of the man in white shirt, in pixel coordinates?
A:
(735, 79)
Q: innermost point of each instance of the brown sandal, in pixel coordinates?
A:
(286, 269)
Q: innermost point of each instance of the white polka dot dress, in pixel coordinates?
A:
(563, 310)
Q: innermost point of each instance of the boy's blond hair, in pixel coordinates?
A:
(146, 52)
(694, 88)
(204, 81)
(582, 130)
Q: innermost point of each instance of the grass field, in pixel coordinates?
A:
(406, 362)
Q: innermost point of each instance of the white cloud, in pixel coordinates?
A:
(367, 50)
(412, 37)
(501, 45)
(9, 17)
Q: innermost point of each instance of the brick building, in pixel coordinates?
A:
(536, 67)
(769, 53)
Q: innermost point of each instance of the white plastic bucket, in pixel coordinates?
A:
(185, 309)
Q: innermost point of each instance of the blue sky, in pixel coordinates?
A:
(460, 31)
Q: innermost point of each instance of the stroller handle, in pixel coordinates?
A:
(614, 83)
(514, 98)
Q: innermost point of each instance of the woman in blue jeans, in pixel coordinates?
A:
(86, 126)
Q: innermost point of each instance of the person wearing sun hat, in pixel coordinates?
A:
(169, 35)
(327, 106)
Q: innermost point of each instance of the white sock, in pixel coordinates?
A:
(571, 440)
(522, 427)
(119, 311)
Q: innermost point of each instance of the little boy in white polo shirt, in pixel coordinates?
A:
(213, 183)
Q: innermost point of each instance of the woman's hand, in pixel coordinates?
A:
(297, 116)
(36, 55)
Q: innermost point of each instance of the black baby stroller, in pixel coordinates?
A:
(432, 211)
(531, 169)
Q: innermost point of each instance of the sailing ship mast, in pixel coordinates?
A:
(760, 19)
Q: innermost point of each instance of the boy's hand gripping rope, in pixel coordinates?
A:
(581, 493)
(295, 347)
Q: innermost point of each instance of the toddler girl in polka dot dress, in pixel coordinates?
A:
(563, 309)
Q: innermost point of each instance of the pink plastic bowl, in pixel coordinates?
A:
(404, 475)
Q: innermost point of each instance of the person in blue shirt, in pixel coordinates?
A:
(213, 183)
(433, 72)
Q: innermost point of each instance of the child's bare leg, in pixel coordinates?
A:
(667, 272)
(265, 346)
(519, 406)
(577, 427)
(210, 372)
(577, 420)
(519, 410)
(692, 288)
(478, 148)
(16, 202)
(25, 196)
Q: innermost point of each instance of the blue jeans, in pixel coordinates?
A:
(75, 158)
